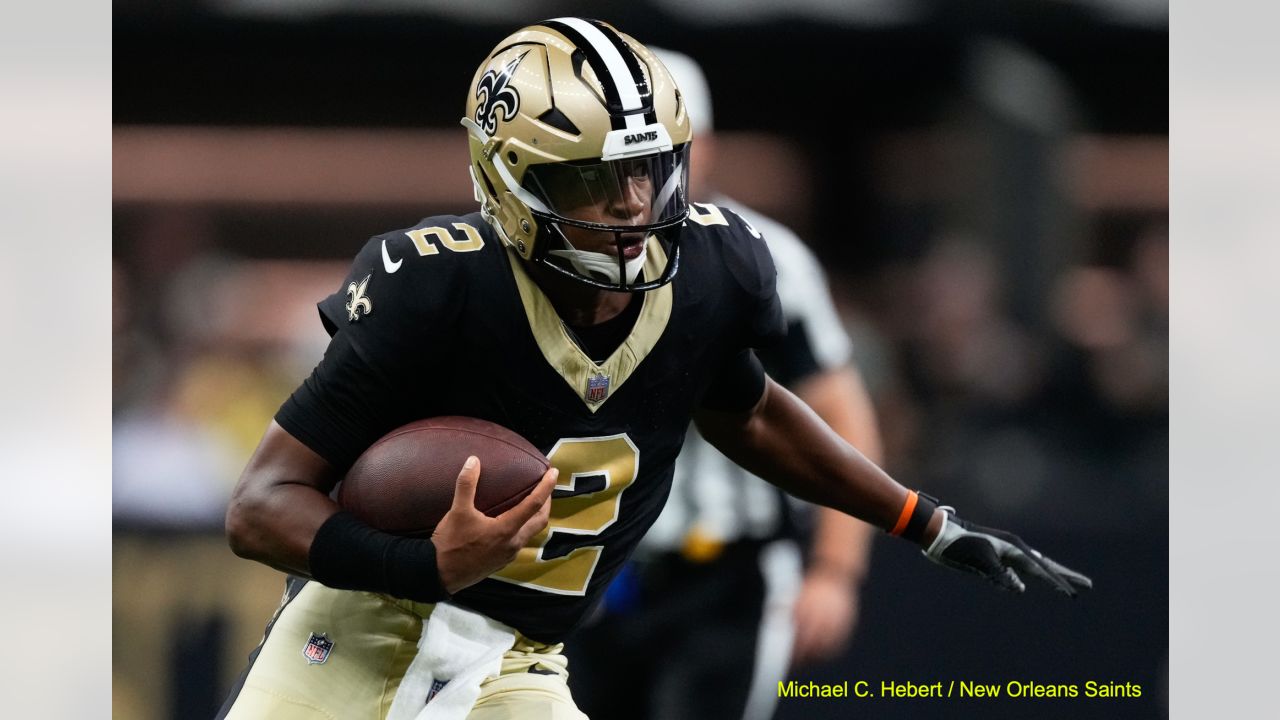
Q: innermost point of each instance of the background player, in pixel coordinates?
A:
(530, 314)
(720, 572)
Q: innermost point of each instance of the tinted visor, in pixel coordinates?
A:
(642, 192)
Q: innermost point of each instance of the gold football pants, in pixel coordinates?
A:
(374, 638)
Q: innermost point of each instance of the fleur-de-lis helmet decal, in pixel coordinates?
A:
(494, 92)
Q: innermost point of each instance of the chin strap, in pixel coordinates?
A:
(602, 265)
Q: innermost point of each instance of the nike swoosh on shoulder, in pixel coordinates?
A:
(386, 260)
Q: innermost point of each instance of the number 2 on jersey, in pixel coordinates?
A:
(613, 458)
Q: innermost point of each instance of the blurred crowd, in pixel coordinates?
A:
(205, 348)
(1058, 416)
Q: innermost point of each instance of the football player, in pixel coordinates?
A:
(747, 607)
(588, 307)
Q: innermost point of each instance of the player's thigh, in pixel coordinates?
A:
(373, 643)
(526, 696)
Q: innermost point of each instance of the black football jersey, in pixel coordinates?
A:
(441, 319)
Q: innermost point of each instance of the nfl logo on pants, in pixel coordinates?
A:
(317, 649)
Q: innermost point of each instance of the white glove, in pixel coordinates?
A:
(996, 555)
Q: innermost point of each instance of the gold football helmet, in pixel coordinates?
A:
(575, 125)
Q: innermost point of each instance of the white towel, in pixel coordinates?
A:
(458, 650)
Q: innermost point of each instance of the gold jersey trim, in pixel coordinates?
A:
(563, 353)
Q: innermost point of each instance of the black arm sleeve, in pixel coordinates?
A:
(738, 386)
(343, 407)
(365, 384)
(792, 359)
(751, 265)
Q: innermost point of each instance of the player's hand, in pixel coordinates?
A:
(825, 614)
(998, 556)
(470, 545)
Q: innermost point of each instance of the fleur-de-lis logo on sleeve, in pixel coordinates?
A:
(357, 301)
(495, 93)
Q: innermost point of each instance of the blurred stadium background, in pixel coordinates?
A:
(986, 183)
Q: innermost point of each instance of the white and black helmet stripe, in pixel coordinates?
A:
(633, 64)
(616, 67)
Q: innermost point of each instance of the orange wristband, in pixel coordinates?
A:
(905, 516)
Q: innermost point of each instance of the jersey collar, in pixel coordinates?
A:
(595, 383)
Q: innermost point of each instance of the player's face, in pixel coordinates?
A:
(624, 199)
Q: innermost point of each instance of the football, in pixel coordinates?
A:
(403, 483)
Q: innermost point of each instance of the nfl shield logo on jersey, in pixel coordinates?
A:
(597, 388)
(317, 649)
